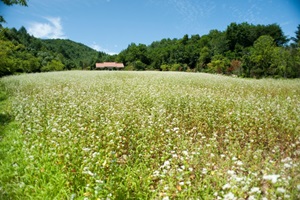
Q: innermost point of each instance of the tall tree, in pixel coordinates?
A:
(11, 2)
(262, 56)
(297, 38)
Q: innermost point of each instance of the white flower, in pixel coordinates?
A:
(204, 171)
(229, 196)
(226, 186)
(166, 198)
(272, 177)
(254, 190)
(166, 163)
(234, 158)
(181, 183)
(185, 153)
(286, 165)
(238, 179)
(231, 172)
(298, 187)
(251, 198)
(287, 159)
(86, 149)
(175, 129)
(239, 163)
(281, 190)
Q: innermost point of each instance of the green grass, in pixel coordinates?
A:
(150, 135)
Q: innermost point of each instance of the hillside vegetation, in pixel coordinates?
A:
(245, 50)
(150, 135)
(22, 53)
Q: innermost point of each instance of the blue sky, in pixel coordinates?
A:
(111, 25)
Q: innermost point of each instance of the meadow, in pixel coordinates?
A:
(149, 135)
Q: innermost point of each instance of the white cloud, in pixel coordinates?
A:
(50, 29)
(99, 48)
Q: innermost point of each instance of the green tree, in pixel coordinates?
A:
(296, 39)
(54, 65)
(219, 64)
(6, 58)
(262, 56)
(204, 58)
(11, 2)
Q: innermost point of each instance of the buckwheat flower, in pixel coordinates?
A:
(238, 179)
(255, 190)
(281, 190)
(226, 186)
(204, 171)
(174, 155)
(239, 163)
(229, 196)
(156, 173)
(251, 198)
(287, 159)
(86, 149)
(234, 158)
(273, 178)
(175, 129)
(185, 153)
(286, 165)
(166, 198)
(181, 183)
(231, 172)
(99, 181)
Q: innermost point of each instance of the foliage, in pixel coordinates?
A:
(21, 53)
(154, 135)
(238, 50)
(242, 49)
(12, 2)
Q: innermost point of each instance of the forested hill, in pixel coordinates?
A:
(242, 49)
(21, 52)
(76, 55)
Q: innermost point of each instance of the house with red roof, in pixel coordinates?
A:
(109, 65)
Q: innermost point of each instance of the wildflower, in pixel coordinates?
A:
(175, 129)
(272, 178)
(281, 190)
(231, 172)
(226, 186)
(185, 153)
(166, 198)
(286, 165)
(181, 183)
(239, 163)
(204, 171)
(298, 187)
(287, 159)
(229, 196)
(166, 164)
(86, 149)
(255, 190)
(234, 158)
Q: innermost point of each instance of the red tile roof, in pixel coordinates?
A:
(109, 65)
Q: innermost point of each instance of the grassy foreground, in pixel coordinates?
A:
(150, 135)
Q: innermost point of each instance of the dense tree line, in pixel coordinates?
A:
(23, 53)
(243, 49)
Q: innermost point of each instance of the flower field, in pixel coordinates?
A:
(150, 135)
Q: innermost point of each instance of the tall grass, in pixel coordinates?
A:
(151, 135)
